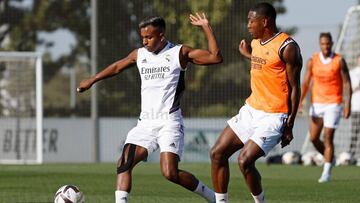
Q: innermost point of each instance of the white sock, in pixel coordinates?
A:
(205, 192)
(327, 168)
(221, 197)
(260, 198)
(121, 196)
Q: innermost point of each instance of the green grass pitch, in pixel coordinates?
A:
(295, 184)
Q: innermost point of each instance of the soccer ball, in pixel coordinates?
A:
(319, 159)
(344, 159)
(312, 158)
(69, 194)
(308, 158)
(291, 158)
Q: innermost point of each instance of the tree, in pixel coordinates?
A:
(212, 91)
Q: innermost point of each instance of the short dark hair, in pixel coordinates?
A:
(325, 34)
(155, 21)
(265, 9)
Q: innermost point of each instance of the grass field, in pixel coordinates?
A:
(281, 183)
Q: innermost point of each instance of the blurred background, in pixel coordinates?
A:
(79, 37)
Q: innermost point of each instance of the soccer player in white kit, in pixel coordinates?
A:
(355, 110)
(161, 65)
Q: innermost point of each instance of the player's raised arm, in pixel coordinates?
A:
(293, 60)
(113, 69)
(201, 56)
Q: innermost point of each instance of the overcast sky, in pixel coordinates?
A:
(312, 17)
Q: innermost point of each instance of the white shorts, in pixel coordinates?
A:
(265, 129)
(331, 113)
(168, 135)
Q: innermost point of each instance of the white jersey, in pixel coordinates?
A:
(162, 82)
(355, 84)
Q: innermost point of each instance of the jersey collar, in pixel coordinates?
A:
(326, 60)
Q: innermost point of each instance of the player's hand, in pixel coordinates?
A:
(300, 108)
(85, 85)
(199, 20)
(245, 49)
(287, 136)
(346, 111)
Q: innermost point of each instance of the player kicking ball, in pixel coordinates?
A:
(161, 66)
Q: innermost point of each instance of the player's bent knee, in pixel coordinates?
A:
(170, 175)
(244, 164)
(127, 162)
(314, 139)
(216, 155)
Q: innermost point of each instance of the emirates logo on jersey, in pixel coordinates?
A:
(154, 72)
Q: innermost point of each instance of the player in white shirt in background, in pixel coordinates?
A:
(161, 66)
(355, 109)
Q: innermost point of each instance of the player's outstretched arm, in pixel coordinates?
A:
(201, 56)
(293, 60)
(245, 49)
(109, 71)
(305, 84)
(347, 89)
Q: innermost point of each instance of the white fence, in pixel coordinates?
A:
(69, 140)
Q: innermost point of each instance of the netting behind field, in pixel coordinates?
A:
(349, 40)
(349, 47)
(18, 109)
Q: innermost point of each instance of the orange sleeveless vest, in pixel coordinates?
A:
(269, 83)
(327, 81)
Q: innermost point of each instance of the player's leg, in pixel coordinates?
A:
(227, 144)
(139, 142)
(268, 129)
(171, 142)
(329, 144)
(132, 154)
(328, 154)
(331, 122)
(169, 163)
(316, 125)
(247, 157)
(233, 137)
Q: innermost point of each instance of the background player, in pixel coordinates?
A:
(329, 74)
(269, 113)
(161, 65)
(355, 110)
